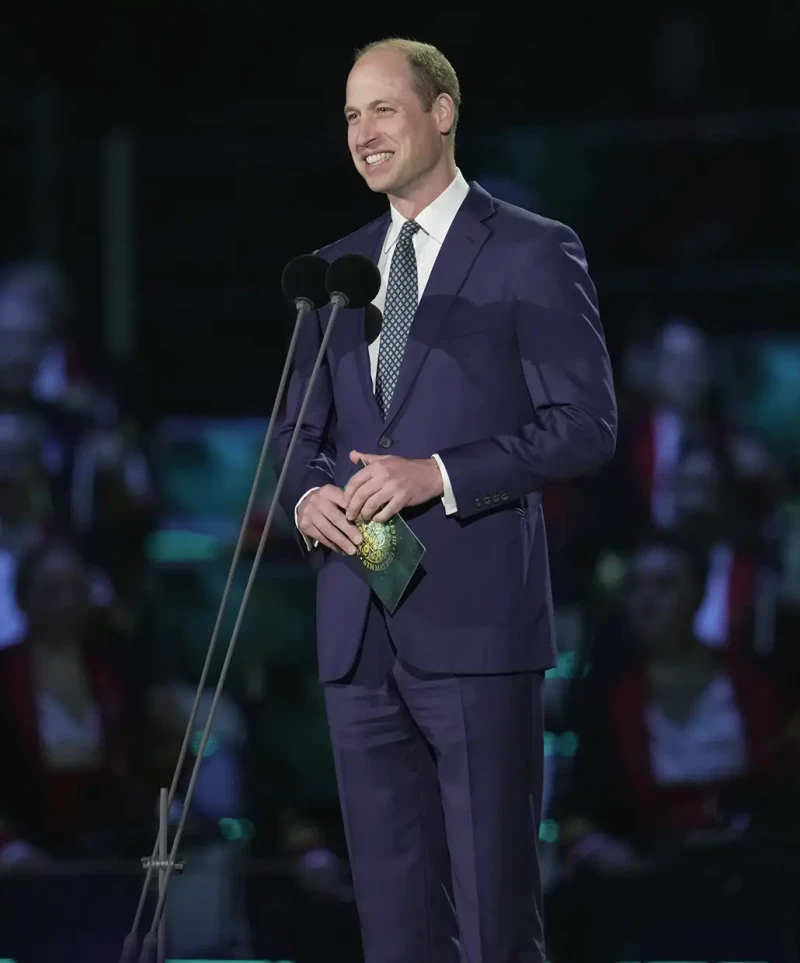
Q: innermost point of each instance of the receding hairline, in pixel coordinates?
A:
(402, 45)
(420, 58)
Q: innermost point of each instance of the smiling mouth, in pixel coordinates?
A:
(375, 160)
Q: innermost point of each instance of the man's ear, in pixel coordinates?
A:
(446, 113)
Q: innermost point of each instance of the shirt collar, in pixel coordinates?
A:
(436, 218)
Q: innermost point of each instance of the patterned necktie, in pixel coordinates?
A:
(398, 313)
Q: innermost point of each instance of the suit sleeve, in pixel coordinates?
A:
(314, 456)
(568, 374)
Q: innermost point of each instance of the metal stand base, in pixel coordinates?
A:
(161, 865)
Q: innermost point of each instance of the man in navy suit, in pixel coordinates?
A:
(489, 379)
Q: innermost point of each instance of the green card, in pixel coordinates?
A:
(388, 558)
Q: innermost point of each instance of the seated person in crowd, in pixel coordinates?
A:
(706, 510)
(98, 481)
(678, 742)
(65, 723)
(639, 487)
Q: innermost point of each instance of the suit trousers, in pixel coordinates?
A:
(440, 783)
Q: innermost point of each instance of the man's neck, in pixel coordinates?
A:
(424, 192)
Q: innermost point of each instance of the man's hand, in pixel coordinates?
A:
(389, 484)
(321, 517)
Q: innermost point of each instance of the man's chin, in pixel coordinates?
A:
(377, 184)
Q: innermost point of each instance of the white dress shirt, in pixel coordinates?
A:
(434, 222)
(707, 746)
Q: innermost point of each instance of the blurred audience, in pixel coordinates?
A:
(681, 748)
(673, 748)
(680, 407)
(65, 718)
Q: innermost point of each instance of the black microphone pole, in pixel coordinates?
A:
(362, 274)
(305, 273)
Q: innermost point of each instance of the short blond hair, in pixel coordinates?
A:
(432, 72)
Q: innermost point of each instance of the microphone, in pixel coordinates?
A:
(373, 322)
(353, 280)
(303, 283)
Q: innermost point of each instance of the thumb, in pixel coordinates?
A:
(356, 456)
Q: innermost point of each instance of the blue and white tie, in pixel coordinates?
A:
(398, 315)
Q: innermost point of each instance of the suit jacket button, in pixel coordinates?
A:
(478, 503)
(487, 500)
(504, 497)
(496, 500)
(385, 442)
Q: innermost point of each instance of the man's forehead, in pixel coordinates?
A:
(380, 67)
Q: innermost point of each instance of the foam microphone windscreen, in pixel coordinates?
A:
(373, 322)
(304, 277)
(355, 277)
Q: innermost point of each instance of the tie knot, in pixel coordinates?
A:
(408, 230)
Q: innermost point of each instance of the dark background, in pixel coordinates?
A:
(169, 159)
(238, 157)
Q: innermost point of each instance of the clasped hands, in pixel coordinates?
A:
(386, 486)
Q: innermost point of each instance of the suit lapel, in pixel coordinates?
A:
(370, 246)
(463, 243)
(350, 335)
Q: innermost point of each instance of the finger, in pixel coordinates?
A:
(333, 537)
(360, 496)
(357, 456)
(374, 504)
(389, 511)
(316, 502)
(333, 494)
(337, 518)
(318, 538)
(347, 528)
(355, 482)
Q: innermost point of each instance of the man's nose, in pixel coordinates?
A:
(366, 133)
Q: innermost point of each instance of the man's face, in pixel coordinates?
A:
(394, 143)
(662, 598)
(683, 367)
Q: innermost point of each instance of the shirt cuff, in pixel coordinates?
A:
(448, 498)
(309, 544)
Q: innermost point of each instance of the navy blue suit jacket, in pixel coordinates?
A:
(506, 376)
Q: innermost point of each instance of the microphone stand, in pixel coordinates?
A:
(160, 860)
(167, 866)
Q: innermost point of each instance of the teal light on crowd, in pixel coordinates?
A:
(569, 666)
(566, 668)
(211, 745)
(564, 744)
(567, 744)
(548, 831)
(237, 830)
